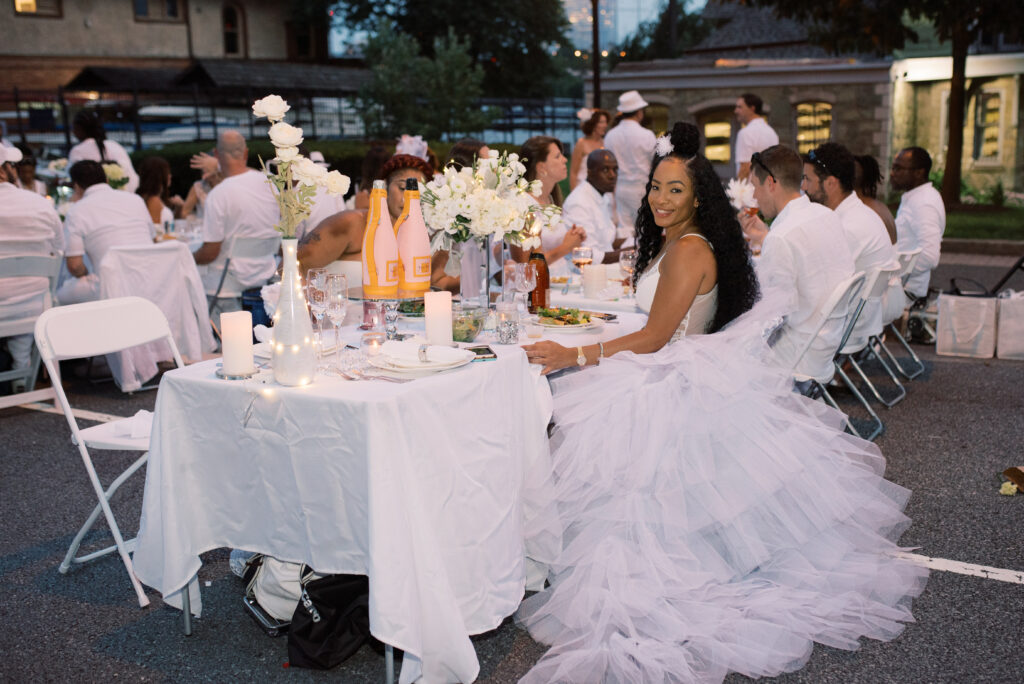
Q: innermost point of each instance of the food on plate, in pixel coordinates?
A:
(411, 307)
(559, 280)
(562, 316)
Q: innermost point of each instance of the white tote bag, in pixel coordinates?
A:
(966, 326)
(1010, 343)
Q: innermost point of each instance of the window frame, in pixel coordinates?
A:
(241, 31)
(182, 17)
(815, 103)
(997, 160)
(37, 15)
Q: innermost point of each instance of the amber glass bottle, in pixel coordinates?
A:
(539, 296)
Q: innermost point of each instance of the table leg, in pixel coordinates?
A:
(389, 664)
(186, 609)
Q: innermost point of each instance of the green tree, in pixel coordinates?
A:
(389, 97)
(451, 84)
(873, 26)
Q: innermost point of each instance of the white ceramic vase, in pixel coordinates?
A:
(294, 358)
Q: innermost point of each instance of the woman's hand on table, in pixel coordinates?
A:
(551, 355)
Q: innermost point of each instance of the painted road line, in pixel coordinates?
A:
(984, 571)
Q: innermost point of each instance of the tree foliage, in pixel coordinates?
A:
(656, 39)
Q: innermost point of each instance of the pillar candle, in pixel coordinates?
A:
(437, 314)
(236, 340)
(594, 280)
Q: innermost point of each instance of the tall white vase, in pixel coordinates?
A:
(294, 357)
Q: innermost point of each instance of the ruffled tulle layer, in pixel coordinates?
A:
(712, 521)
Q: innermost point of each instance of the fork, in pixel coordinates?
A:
(354, 374)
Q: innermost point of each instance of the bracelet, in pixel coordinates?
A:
(600, 350)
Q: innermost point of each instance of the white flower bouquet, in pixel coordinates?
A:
(295, 177)
(741, 195)
(116, 177)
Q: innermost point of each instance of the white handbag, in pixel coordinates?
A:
(966, 326)
(275, 585)
(1010, 344)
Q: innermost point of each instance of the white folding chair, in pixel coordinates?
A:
(28, 265)
(241, 248)
(907, 261)
(837, 306)
(93, 329)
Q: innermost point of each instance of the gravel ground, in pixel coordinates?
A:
(962, 423)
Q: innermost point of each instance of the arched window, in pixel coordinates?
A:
(813, 125)
(233, 21)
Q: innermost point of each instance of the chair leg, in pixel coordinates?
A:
(827, 398)
(879, 426)
(888, 403)
(873, 344)
(910, 351)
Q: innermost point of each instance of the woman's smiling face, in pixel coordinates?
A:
(671, 196)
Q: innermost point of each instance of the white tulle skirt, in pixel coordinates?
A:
(712, 521)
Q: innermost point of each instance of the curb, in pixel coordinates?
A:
(1013, 248)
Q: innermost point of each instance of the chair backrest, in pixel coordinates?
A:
(101, 327)
(876, 284)
(252, 247)
(29, 265)
(907, 262)
(843, 296)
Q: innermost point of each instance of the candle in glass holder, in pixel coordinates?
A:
(236, 340)
(437, 315)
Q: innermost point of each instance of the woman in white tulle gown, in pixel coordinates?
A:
(711, 519)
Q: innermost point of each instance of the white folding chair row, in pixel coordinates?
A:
(27, 265)
(93, 329)
(241, 248)
(907, 261)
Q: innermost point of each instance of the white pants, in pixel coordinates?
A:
(20, 347)
(78, 290)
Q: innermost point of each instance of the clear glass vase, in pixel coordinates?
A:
(294, 357)
(475, 272)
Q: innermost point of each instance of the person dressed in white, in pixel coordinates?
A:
(828, 179)
(27, 174)
(88, 128)
(325, 204)
(242, 205)
(804, 256)
(697, 538)
(633, 147)
(755, 136)
(589, 206)
(99, 218)
(921, 218)
(28, 225)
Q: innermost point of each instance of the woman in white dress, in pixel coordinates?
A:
(712, 520)
(594, 126)
(88, 128)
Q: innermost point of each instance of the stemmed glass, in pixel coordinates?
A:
(582, 256)
(316, 295)
(627, 264)
(525, 281)
(337, 306)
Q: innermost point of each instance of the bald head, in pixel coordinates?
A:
(602, 170)
(231, 144)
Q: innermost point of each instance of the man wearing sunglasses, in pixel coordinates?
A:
(921, 218)
(804, 257)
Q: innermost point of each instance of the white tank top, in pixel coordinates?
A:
(702, 311)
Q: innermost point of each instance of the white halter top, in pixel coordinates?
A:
(702, 311)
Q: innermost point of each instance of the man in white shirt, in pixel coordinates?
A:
(804, 258)
(28, 225)
(242, 205)
(633, 147)
(921, 218)
(98, 219)
(828, 179)
(589, 206)
(755, 136)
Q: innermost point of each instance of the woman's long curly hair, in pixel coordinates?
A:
(716, 220)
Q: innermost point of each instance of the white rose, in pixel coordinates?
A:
(337, 183)
(306, 172)
(285, 135)
(287, 154)
(272, 106)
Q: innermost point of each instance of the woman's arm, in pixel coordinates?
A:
(155, 205)
(688, 268)
(438, 277)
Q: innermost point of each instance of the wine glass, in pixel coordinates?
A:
(627, 264)
(337, 306)
(526, 280)
(316, 295)
(582, 256)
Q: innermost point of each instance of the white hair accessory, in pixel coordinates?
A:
(414, 145)
(664, 146)
(584, 114)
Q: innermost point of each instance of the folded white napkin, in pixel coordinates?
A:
(136, 427)
(405, 354)
(270, 294)
(263, 333)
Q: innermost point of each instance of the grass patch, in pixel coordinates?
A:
(985, 222)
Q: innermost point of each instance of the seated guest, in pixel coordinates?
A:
(27, 174)
(154, 188)
(828, 180)
(589, 206)
(25, 217)
(804, 257)
(98, 219)
(921, 218)
(866, 178)
(242, 205)
(94, 146)
(340, 237)
(375, 158)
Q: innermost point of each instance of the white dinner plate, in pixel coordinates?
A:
(384, 363)
(593, 324)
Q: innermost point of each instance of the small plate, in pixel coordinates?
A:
(382, 363)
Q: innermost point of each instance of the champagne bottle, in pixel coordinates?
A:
(413, 245)
(539, 295)
(380, 249)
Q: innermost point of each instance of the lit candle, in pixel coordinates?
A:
(437, 314)
(236, 340)
(594, 279)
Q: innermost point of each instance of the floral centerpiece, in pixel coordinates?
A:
(116, 177)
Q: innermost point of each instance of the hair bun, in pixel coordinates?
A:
(685, 139)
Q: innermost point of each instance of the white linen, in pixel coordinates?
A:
(166, 275)
(405, 354)
(871, 249)
(113, 152)
(633, 147)
(576, 300)
(325, 205)
(586, 207)
(28, 225)
(920, 223)
(240, 206)
(805, 256)
(756, 136)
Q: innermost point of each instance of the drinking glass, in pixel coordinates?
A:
(337, 306)
(526, 280)
(627, 264)
(316, 295)
(581, 256)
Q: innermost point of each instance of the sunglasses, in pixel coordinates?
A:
(756, 159)
(820, 163)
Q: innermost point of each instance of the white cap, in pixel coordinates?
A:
(9, 154)
(317, 157)
(630, 101)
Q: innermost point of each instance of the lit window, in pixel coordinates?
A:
(716, 136)
(813, 125)
(39, 8)
(986, 126)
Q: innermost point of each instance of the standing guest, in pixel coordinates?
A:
(99, 218)
(210, 177)
(804, 256)
(594, 126)
(633, 147)
(27, 174)
(154, 188)
(88, 128)
(25, 217)
(242, 205)
(589, 206)
(373, 161)
(867, 175)
(755, 136)
(828, 180)
(921, 217)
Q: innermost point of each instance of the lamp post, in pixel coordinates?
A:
(595, 28)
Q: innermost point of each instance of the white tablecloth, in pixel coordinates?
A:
(575, 300)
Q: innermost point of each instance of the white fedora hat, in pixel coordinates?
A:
(10, 154)
(630, 101)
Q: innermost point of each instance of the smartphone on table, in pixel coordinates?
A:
(483, 353)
